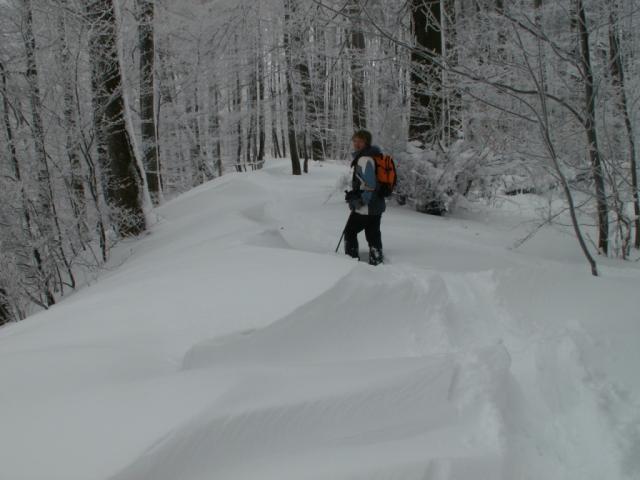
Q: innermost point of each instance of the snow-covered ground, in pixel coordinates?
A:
(231, 343)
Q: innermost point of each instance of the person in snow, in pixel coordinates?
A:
(365, 202)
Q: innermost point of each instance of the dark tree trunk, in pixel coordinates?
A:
(305, 152)
(262, 140)
(101, 152)
(202, 172)
(591, 131)
(310, 109)
(426, 78)
(311, 118)
(78, 197)
(253, 130)
(262, 132)
(6, 315)
(291, 129)
(219, 137)
(451, 94)
(93, 183)
(274, 125)
(283, 118)
(214, 128)
(13, 154)
(148, 130)
(44, 179)
(290, 9)
(318, 137)
(619, 81)
(274, 116)
(123, 177)
(357, 48)
(238, 108)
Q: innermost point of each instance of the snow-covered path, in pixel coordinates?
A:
(230, 344)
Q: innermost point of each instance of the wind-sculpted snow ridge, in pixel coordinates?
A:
(371, 313)
(361, 382)
(397, 418)
(395, 372)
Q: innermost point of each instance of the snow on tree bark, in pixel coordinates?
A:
(123, 178)
(591, 130)
(149, 144)
(426, 88)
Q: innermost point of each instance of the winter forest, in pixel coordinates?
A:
(111, 107)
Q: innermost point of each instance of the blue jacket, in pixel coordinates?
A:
(364, 180)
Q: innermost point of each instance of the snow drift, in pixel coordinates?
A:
(229, 344)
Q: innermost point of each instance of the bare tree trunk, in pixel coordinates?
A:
(591, 130)
(202, 173)
(426, 77)
(124, 179)
(36, 113)
(305, 152)
(214, 128)
(148, 130)
(290, 9)
(218, 140)
(78, 197)
(451, 95)
(6, 315)
(619, 78)
(283, 118)
(238, 109)
(311, 123)
(357, 48)
(261, 115)
(253, 130)
(302, 68)
(93, 183)
(97, 181)
(274, 119)
(262, 133)
(317, 99)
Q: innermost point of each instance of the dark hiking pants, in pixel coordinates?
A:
(357, 223)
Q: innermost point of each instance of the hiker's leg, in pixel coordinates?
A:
(354, 226)
(372, 232)
(374, 238)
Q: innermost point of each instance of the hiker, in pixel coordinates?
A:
(365, 200)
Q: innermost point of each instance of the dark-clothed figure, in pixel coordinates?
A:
(365, 201)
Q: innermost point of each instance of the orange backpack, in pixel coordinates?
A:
(385, 174)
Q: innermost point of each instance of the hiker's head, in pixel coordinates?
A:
(361, 139)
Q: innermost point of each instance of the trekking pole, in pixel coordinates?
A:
(340, 242)
(343, 230)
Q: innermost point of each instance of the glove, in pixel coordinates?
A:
(354, 199)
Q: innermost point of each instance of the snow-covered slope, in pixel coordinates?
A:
(231, 343)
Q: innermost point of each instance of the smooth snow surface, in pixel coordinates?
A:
(231, 343)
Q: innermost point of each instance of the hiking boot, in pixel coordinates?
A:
(352, 250)
(375, 256)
